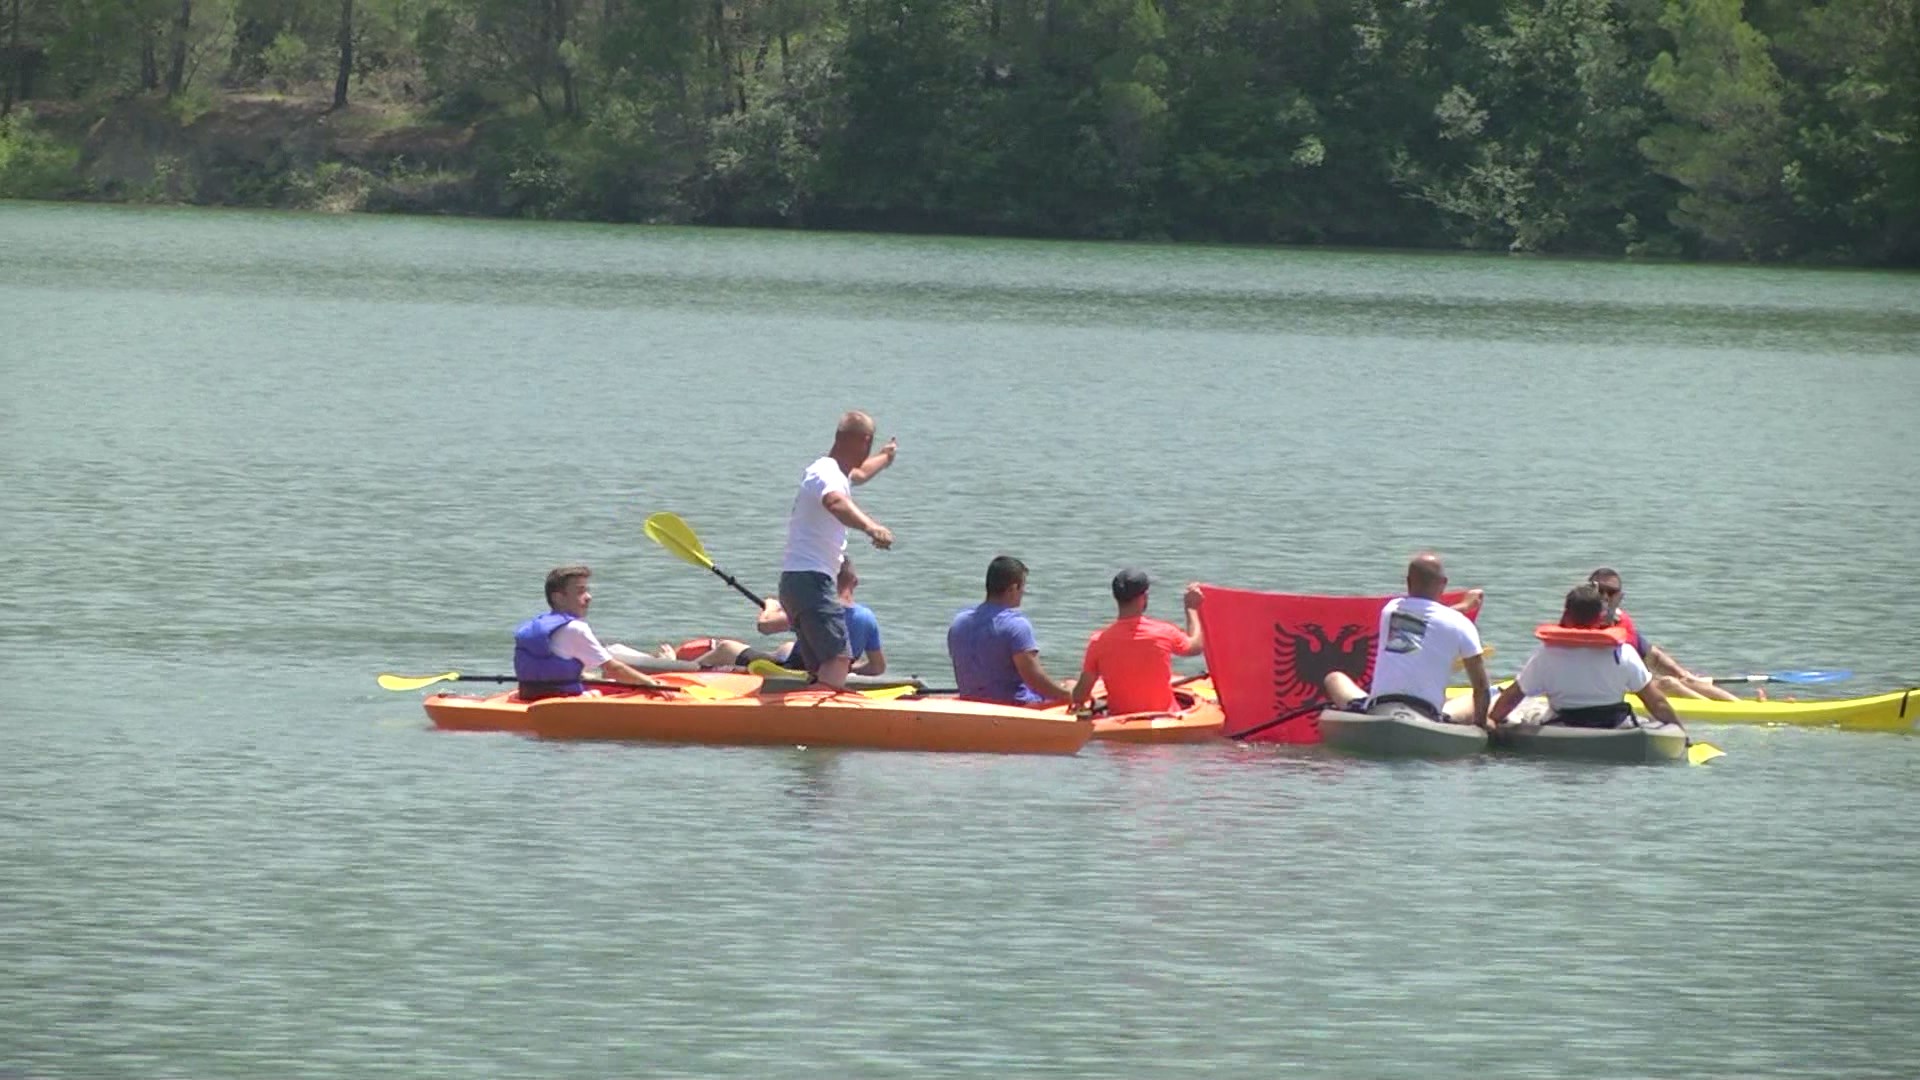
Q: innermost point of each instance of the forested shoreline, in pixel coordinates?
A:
(1770, 130)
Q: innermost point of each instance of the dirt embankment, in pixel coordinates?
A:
(257, 150)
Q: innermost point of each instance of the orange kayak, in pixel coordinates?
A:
(507, 712)
(799, 718)
(1199, 720)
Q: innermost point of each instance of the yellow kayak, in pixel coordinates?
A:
(1895, 711)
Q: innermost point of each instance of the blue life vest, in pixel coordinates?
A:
(541, 673)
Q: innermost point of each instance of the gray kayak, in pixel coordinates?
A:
(1398, 731)
(1632, 744)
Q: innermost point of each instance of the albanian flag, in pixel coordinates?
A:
(1270, 653)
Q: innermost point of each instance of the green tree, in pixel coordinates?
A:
(1852, 71)
(1726, 141)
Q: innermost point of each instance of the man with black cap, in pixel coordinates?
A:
(1134, 654)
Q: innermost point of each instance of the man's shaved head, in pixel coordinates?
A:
(1426, 576)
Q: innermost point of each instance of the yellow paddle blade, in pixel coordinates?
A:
(1485, 654)
(703, 693)
(677, 536)
(889, 693)
(414, 682)
(767, 669)
(1700, 753)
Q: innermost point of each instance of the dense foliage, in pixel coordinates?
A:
(1770, 129)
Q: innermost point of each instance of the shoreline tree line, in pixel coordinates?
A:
(1769, 129)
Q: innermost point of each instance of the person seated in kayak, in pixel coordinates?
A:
(863, 636)
(1672, 679)
(1134, 654)
(551, 652)
(709, 653)
(1419, 640)
(823, 510)
(1585, 667)
(995, 657)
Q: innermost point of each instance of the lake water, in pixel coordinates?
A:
(249, 461)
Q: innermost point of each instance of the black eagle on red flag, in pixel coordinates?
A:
(1270, 653)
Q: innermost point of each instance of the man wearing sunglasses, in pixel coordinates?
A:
(1670, 679)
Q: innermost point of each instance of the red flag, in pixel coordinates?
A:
(1270, 653)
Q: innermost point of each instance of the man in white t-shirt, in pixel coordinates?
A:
(823, 511)
(552, 651)
(1420, 639)
(1586, 685)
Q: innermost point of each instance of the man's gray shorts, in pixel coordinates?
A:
(819, 621)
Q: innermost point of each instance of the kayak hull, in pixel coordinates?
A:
(1897, 711)
(807, 718)
(1652, 744)
(1200, 721)
(465, 712)
(506, 712)
(1398, 732)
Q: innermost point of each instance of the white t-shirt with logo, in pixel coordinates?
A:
(816, 540)
(576, 641)
(1577, 677)
(1419, 641)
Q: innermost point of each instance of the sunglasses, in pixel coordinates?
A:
(1608, 590)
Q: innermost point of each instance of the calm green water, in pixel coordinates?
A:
(247, 462)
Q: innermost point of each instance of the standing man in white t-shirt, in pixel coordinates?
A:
(1420, 639)
(823, 511)
(1587, 684)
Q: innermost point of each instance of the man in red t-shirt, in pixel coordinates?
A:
(1135, 654)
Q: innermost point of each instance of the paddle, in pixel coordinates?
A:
(890, 693)
(767, 669)
(1699, 753)
(420, 682)
(1486, 653)
(1309, 707)
(1799, 678)
(677, 536)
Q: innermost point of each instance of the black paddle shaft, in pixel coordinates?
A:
(557, 682)
(1309, 707)
(744, 591)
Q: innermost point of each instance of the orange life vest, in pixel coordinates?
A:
(1593, 637)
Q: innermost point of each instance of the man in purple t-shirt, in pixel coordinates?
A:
(995, 657)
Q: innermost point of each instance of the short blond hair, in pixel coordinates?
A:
(854, 422)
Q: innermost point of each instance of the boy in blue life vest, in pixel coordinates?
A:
(551, 652)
